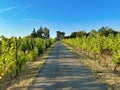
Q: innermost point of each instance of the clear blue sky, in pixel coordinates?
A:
(19, 17)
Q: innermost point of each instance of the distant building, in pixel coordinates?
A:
(60, 35)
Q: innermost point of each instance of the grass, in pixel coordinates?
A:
(103, 72)
(29, 71)
(27, 75)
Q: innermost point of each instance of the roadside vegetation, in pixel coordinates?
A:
(20, 58)
(100, 51)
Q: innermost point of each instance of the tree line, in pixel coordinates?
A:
(42, 32)
(103, 31)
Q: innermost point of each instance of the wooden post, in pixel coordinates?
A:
(16, 57)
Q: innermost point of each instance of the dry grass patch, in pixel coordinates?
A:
(26, 77)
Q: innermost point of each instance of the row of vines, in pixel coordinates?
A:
(15, 52)
(98, 47)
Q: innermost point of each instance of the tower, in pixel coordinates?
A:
(60, 35)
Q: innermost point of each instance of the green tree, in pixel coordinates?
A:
(81, 33)
(73, 35)
(40, 32)
(92, 32)
(46, 33)
(105, 31)
(34, 34)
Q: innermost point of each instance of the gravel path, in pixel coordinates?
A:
(63, 71)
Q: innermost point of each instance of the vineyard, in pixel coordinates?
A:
(98, 47)
(104, 54)
(16, 52)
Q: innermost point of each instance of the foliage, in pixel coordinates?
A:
(97, 45)
(15, 52)
(41, 33)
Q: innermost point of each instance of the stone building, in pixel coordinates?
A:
(60, 35)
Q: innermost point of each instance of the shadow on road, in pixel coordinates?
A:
(63, 71)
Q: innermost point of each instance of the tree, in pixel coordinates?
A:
(46, 32)
(81, 33)
(73, 35)
(105, 31)
(40, 32)
(34, 34)
(92, 32)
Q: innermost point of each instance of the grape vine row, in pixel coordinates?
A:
(15, 52)
(99, 47)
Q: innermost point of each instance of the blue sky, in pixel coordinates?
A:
(19, 17)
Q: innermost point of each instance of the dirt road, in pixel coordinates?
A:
(63, 71)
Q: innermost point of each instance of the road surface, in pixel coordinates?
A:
(63, 71)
